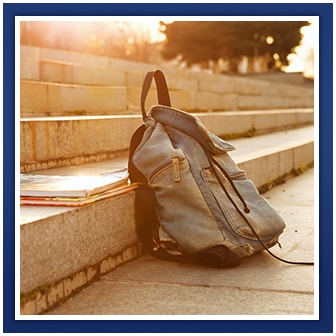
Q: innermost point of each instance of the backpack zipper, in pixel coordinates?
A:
(174, 163)
(176, 169)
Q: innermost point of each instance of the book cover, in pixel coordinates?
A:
(76, 201)
(71, 185)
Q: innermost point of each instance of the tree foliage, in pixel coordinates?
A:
(203, 41)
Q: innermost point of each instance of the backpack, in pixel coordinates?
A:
(193, 203)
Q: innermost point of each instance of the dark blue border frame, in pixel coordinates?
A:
(325, 13)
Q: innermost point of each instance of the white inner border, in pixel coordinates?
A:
(314, 19)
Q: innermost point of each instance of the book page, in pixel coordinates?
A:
(70, 186)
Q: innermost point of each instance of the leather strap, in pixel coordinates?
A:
(161, 88)
(134, 173)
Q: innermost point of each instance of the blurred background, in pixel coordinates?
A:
(256, 48)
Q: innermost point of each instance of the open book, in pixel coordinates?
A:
(36, 185)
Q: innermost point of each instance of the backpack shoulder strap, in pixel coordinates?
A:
(134, 174)
(161, 88)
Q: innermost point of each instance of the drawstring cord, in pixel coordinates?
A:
(247, 210)
(228, 177)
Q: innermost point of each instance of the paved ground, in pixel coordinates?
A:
(261, 285)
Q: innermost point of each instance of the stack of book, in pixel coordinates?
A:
(72, 190)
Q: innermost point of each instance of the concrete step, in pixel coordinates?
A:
(34, 59)
(47, 99)
(117, 72)
(56, 82)
(64, 141)
(31, 53)
(70, 73)
(58, 99)
(81, 244)
(260, 285)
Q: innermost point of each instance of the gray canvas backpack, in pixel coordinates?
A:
(193, 202)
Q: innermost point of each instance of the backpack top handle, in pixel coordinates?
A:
(161, 88)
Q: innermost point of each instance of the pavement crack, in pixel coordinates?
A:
(214, 286)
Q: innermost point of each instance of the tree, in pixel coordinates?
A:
(203, 41)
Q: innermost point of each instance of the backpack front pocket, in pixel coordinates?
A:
(261, 216)
(182, 209)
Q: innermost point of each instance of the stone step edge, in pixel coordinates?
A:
(44, 298)
(55, 71)
(224, 124)
(57, 100)
(68, 58)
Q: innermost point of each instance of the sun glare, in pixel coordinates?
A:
(149, 29)
(303, 58)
